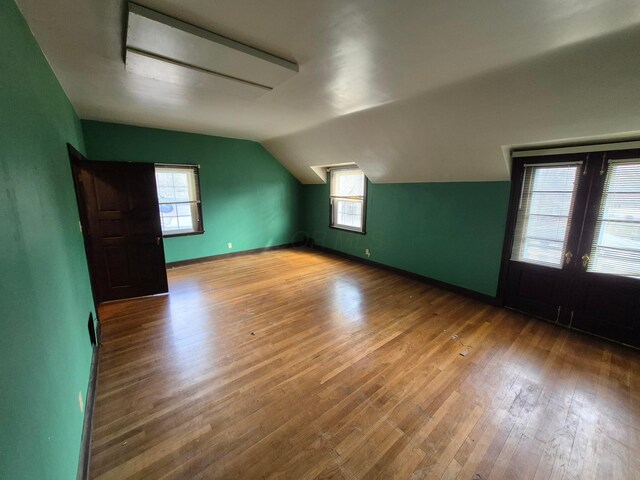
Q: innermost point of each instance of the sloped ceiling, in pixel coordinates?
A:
(411, 90)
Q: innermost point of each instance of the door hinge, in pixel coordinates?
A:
(80, 225)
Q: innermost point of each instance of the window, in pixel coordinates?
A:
(544, 213)
(179, 199)
(616, 243)
(348, 199)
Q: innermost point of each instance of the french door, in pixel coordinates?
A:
(573, 242)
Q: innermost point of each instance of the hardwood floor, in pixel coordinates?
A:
(296, 364)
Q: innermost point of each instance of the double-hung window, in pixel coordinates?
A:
(179, 199)
(348, 199)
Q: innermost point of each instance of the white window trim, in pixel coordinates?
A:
(362, 198)
(196, 204)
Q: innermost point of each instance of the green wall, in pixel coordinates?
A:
(452, 232)
(45, 298)
(248, 198)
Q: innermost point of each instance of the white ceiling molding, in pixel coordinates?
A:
(164, 48)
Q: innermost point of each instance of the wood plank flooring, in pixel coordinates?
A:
(295, 364)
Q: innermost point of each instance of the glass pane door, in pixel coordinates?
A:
(544, 214)
(616, 242)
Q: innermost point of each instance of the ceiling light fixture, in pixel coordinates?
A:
(167, 49)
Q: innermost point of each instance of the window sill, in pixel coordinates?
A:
(350, 230)
(184, 234)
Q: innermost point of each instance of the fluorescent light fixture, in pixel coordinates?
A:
(157, 68)
(166, 49)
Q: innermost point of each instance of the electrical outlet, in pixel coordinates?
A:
(230, 245)
(80, 401)
(367, 252)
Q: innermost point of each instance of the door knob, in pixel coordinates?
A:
(585, 260)
(568, 257)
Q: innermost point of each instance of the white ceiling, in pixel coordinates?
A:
(411, 90)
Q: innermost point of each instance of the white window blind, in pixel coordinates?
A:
(179, 199)
(544, 214)
(616, 242)
(347, 199)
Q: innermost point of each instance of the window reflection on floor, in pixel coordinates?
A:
(348, 298)
(191, 334)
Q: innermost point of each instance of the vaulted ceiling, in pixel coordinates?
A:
(410, 90)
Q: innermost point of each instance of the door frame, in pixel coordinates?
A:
(75, 159)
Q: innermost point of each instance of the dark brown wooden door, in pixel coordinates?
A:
(545, 222)
(573, 249)
(121, 225)
(606, 295)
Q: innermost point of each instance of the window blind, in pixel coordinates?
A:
(616, 241)
(544, 213)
